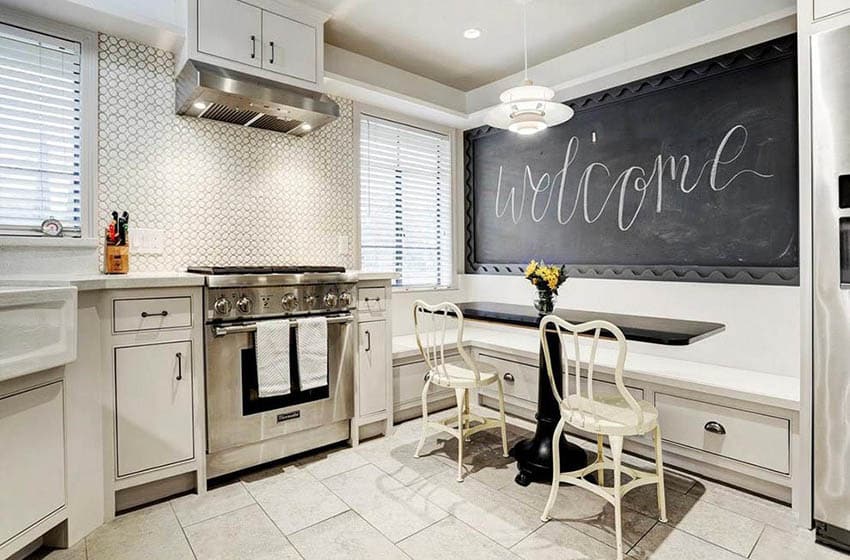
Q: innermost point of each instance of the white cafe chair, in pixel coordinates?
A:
(433, 324)
(614, 416)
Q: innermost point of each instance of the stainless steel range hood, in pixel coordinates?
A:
(211, 92)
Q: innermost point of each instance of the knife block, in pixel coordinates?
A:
(116, 259)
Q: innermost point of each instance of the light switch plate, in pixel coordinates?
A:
(146, 241)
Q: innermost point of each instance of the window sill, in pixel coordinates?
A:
(48, 242)
(403, 290)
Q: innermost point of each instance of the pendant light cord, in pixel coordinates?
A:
(525, 36)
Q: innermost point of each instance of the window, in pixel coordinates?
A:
(40, 132)
(405, 203)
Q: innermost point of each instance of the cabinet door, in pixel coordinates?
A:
(824, 8)
(289, 47)
(230, 29)
(32, 458)
(372, 393)
(153, 406)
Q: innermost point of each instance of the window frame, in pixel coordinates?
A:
(88, 42)
(456, 198)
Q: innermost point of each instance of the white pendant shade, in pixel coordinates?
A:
(527, 109)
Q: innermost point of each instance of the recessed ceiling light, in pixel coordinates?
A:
(200, 105)
(472, 33)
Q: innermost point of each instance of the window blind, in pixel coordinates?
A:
(39, 132)
(405, 202)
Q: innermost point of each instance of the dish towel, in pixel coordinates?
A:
(271, 344)
(313, 352)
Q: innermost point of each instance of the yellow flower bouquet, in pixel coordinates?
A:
(547, 279)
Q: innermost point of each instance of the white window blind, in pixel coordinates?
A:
(39, 132)
(405, 202)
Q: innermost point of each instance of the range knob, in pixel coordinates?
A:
(222, 306)
(330, 299)
(289, 302)
(244, 304)
(345, 299)
(311, 301)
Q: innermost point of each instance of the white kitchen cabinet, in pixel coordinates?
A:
(32, 458)
(230, 29)
(826, 8)
(154, 419)
(289, 47)
(374, 368)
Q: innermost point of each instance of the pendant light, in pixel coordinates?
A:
(527, 109)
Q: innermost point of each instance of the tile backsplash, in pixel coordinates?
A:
(223, 194)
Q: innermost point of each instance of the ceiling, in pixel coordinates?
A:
(426, 36)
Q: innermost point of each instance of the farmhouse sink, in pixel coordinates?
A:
(38, 329)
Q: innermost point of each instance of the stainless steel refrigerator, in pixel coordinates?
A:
(831, 252)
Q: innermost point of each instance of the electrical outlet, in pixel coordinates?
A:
(343, 245)
(146, 241)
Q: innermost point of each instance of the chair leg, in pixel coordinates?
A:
(466, 411)
(659, 470)
(424, 418)
(460, 396)
(502, 419)
(556, 470)
(617, 451)
(600, 458)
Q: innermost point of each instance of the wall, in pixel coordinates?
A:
(224, 194)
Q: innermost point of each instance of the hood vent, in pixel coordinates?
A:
(214, 93)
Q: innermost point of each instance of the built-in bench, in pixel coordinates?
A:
(759, 411)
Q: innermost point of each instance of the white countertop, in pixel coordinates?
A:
(752, 386)
(99, 281)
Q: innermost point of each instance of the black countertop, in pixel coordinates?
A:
(655, 330)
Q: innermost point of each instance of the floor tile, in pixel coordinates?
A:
(152, 532)
(664, 542)
(76, 552)
(743, 503)
(701, 518)
(396, 459)
(500, 517)
(559, 541)
(584, 511)
(246, 534)
(452, 538)
(295, 501)
(794, 544)
(333, 463)
(345, 536)
(384, 502)
(194, 508)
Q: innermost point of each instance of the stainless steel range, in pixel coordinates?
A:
(244, 429)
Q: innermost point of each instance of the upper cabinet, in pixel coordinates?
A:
(274, 39)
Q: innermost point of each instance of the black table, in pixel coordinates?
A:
(534, 456)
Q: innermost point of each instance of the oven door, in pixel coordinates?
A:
(237, 416)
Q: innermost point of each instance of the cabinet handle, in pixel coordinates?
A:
(367, 300)
(715, 428)
(509, 377)
(271, 44)
(368, 341)
(253, 46)
(179, 366)
(162, 313)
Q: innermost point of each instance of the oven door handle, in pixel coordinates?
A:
(252, 327)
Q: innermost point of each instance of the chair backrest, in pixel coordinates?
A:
(433, 325)
(553, 324)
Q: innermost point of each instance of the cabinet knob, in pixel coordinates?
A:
(715, 428)
(509, 377)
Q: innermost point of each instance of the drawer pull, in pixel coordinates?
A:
(162, 313)
(715, 428)
(179, 357)
(368, 299)
(509, 377)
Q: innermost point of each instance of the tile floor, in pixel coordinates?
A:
(378, 502)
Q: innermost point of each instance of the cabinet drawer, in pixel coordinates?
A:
(409, 379)
(151, 314)
(519, 380)
(372, 303)
(749, 437)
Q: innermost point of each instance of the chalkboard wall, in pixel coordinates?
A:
(689, 175)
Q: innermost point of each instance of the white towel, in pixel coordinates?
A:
(313, 352)
(271, 345)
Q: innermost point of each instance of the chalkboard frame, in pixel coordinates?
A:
(782, 47)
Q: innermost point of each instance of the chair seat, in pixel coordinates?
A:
(453, 375)
(613, 416)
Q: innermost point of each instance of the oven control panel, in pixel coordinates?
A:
(233, 303)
